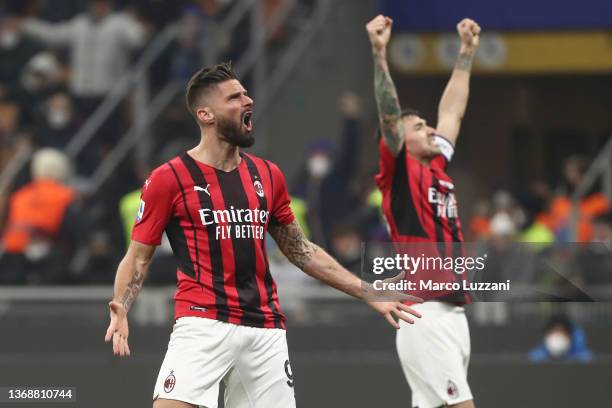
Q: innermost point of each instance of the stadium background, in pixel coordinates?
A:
(536, 136)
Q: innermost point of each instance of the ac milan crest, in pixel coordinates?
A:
(169, 382)
(258, 188)
(451, 389)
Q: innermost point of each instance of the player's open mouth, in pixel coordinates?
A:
(246, 120)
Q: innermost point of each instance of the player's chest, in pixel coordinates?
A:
(435, 190)
(225, 199)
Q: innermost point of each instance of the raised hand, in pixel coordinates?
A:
(469, 32)
(379, 32)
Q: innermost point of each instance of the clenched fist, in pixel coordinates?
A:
(469, 31)
(379, 31)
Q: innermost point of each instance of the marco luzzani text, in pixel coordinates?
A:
(411, 265)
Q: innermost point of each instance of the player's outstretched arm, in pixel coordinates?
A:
(387, 101)
(130, 276)
(455, 97)
(317, 263)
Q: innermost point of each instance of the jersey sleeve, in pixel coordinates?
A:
(447, 150)
(386, 165)
(155, 209)
(281, 211)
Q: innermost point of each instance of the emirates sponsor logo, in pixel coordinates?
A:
(236, 223)
(446, 203)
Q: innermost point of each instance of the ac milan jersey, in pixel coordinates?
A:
(216, 223)
(419, 205)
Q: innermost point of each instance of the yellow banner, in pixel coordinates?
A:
(507, 53)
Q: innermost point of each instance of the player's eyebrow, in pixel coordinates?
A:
(234, 95)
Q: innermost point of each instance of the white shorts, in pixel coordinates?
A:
(252, 362)
(435, 353)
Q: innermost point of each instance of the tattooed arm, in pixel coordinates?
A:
(454, 100)
(313, 260)
(131, 274)
(387, 101)
(317, 263)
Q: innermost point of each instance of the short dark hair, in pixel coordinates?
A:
(405, 113)
(204, 79)
(561, 320)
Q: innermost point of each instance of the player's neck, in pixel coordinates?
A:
(216, 153)
(424, 161)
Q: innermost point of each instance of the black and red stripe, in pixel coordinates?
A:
(266, 283)
(413, 217)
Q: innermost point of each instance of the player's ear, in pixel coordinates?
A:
(206, 116)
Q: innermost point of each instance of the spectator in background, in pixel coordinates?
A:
(188, 56)
(40, 230)
(15, 52)
(100, 41)
(325, 186)
(594, 203)
(60, 123)
(346, 244)
(533, 229)
(479, 225)
(563, 341)
(38, 79)
(200, 39)
(592, 265)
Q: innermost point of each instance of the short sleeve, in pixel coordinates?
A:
(281, 211)
(386, 165)
(155, 209)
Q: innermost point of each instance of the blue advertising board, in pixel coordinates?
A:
(506, 15)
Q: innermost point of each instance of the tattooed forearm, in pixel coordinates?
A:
(132, 290)
(387, 101)
(292, 242)
(464, 61)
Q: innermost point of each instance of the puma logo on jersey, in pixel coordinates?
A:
(205, 189)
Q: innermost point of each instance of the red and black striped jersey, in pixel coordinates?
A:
(419, 204)
(216, 223)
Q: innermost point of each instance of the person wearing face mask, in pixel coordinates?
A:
(325, 185)
(100, 42)
(563, 341)
(59, 125)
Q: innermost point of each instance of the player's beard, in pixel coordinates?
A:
(233, 133)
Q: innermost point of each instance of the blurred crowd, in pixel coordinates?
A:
(544, 213)
(60, 60)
